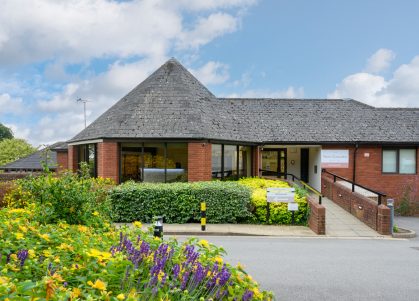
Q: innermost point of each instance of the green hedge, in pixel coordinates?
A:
(227, 202)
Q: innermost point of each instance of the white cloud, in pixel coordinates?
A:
(207, 29)
(401, 90)
(380, 60)
(290, 92)
(19, 131)
(10, 104)
(135, 36)
(212, 73)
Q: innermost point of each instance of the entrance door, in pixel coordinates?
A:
(274, 161)
(304, 164)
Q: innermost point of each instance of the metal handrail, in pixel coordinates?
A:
(335, 176)
(294, 177)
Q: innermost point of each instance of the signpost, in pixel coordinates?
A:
(281, 195)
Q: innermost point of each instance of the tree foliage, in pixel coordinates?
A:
(14, 149)
(5, 132)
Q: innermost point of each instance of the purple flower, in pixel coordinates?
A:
(176, 270)
(248, 295)
(22, 255)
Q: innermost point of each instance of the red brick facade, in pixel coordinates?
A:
(317, 217)
(108, 160)
(62, 161)
(199, 161)
(369, 173)
(72, 157)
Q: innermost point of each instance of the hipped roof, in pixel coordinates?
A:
(172, 103)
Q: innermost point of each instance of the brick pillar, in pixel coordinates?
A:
(72, 157)
(62, 161)
(383, 220)
(108, 160)
(199, 161)
(317, 217)
(256, 164)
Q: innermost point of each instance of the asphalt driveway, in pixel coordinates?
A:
(408, 222)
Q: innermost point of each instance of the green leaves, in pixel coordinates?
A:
(227, 202)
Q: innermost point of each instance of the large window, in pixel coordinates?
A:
(231, 161)
(154, 162)
(402, 161)
(87, 153)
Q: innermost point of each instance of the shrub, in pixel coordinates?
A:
(227, 202)
(76, 262)
(76, 199)
(279, 213)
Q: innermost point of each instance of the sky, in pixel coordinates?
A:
(53, 52)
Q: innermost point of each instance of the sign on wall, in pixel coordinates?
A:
(335, 158)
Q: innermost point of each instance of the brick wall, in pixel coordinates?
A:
(363, 208)
(108, 160)
(62, 161)
(368, 173)
(199, 161)
(72, 157)
(317, 218)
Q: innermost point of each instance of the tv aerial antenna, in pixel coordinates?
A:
(84, 101)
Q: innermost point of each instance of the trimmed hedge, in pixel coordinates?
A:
(227, 202)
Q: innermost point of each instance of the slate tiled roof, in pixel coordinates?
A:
(172, 103)
(33, 162)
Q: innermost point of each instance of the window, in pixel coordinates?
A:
(231, 161)
(154, 162)
(402, 161)
(87, 153)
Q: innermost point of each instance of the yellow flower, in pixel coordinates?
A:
(14, 257)
(57, 259)
(82, 228)
(44, 236)
(204, 243)
(160, 276)
(218, 259)
(19, 236)
(240, 266)
(96, 213)
(120, 297)
(100, 285)
(23, 229)
(47, 253)
(31, 253)
(76, 292)
(137, 224)
(4, 280)
(99, 254)
(65, 246)
(256, 292)
(157, 238)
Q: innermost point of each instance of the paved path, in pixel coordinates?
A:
(340, 223)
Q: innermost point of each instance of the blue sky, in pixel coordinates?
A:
(53, 52)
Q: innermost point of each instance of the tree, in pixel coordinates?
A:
(5, 132)
(14, 149)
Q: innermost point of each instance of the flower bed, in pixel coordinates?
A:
(75, 262)
(279, 213)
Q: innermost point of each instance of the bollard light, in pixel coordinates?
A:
(390, 204)
(158, 226)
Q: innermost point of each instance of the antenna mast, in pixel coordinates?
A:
(84, 107)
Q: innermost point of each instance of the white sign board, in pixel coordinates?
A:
(335, 158)
(292, 206)
(280, 195)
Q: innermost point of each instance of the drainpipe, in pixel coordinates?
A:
(354, 168)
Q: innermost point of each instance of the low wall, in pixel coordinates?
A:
(317, 218)
(9, 176)
(363, 208)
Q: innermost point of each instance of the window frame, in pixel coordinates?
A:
(398, 149)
